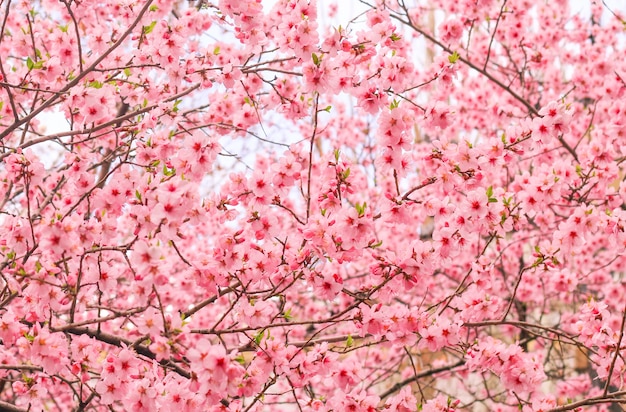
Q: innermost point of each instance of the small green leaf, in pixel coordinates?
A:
(316, 60)
(453, 57)
(377, 244)
(345, 174)
(168, 172)
(360, 208)
(240, 359)
(394, 104)
(287, 315)
(138, 195)
(395, 37)
(349, 341)
(29, 63)
(259, 337)
(153, 8)
(148, 29)
(327, 109)
(127, 72)
(337, 152)
(216, 50)
(490, 191)
(493, 200)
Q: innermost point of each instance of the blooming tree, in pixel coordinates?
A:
(250, 207)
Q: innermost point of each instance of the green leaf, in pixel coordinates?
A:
(327, 109)
(29, 63)
(240, 359)
(316, 60)
(349, 341)
(395, 37)
(148, 29)
(490, 191)
(259, 337)
(138, 195)
(345, 174)
(153, 8)
(287, 315)
(168, 172)
(127, 72)
(337, 152)
(216, 50)
(493, 200)
(95, 84)
(361, 208)
(453, 57)
(377, 244)
(394, 104)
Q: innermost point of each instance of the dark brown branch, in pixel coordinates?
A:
(395, 388)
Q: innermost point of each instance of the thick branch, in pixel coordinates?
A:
(395, 388)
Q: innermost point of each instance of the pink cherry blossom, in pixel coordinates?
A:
(249, 205)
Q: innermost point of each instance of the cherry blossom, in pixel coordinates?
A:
(312, 206)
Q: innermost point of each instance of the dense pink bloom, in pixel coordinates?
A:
(249, 205)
